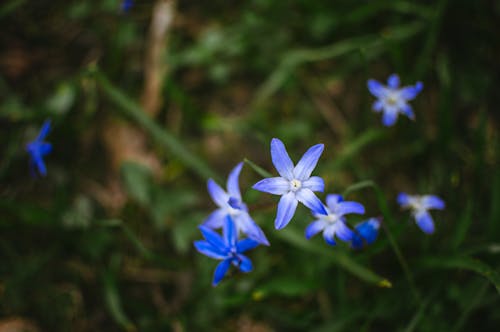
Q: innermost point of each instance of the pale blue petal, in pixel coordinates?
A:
(245, 264)
(281, 159)
(251, 229)
(403, 199)
(309, 199)
(425, 222)
(209, 250)
(220, 271)
(314, 228)
(286, 210)
(377, 106)
(44, 131)
(393, 81)
(349, 207)
(328, 235)
(433, 202)
(376, 88)
(216, 219)
(246, 244)
(408, 111)
(230, 233)
(410, 92)
(219, 196)
(389, 118)
(308, 162)
(213, 238)
(343, 232)
(332, 200)
(233, 187)
(275, 186)
(315, 183)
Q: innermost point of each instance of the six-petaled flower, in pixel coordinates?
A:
(334, 223)
(392, 99)
(419, 206)
(295, 184)
(365, 233)
(231, 204)
(227, 249)
(37, 149)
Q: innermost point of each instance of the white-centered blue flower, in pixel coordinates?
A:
(419, 206)
(295, 183)
(365, 233)
(333, 223)
(392, 99)
(231, 204)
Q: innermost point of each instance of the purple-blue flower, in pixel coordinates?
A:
(227, 249)
(295, 183)
(333, 223)
(392, 99)
(419, 206)
(231, 204)
(37, 149)
(127, 5)
(365, 233)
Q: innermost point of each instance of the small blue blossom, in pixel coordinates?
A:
(419, 206)
(295, 183)
(365, 233)
(227, 249)
(231, 204)
(127, 5)
(37, 149)
(392, 99)
(333, 223)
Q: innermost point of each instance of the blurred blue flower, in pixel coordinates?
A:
(226, 248)
(127, 5)
(392, 99)
(365, 233)
(231, 204)
(333, 223)
(419, 206)
(295, 183)
(37, 149)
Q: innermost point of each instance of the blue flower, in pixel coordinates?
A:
(333, 223)
(37, 149)
(392, 99)
(295, 183)
(365, 233)
(419, 206)
(226, 248)
(127, 5)
(231, 204)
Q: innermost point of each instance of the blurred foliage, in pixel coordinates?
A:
(95, 248)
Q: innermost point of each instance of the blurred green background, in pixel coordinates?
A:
(146, 105)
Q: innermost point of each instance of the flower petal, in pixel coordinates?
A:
(44, 148)
(377, 105)
(328, 235)
(38, 162)
(349, 207)
(410, 92)
(286, 210)
(251, 229)
(220, 271)
(314, 228)
(216, 219)
(246, 244)
(233, 187)
(403, 199)
(376, 88)
(357, 241)
(308, 162)
(219, 196)
(245, 264)
(281, 159)
(433, 202)
(425, 222)
(230, 233)
(332, 200)
(209, 250)
(275, 186)
(213, 238)
(309, 199)
(368, 230)
(408, 111)
(315, 183)
(343, 232)
(393, 81)
(44, 130)
(389, 117)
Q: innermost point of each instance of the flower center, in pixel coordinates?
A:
(331, 218)
(392, 100)
(295, 185)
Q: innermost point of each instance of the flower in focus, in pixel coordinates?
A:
(37, 149)
(333, 223)
(419, 206)
(226, 248)
(365, 233)
(295, 183)
(392, 99)
(231, 204)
